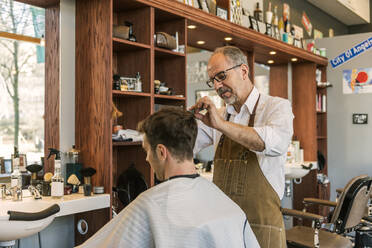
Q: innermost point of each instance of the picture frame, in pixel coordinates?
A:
(269, 29)
(212, 94)
(297, 43)
(221, 12)
(360, 118)
(254, 24)
(204, 5)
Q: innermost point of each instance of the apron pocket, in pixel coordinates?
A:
(230, 176)
(269, 236)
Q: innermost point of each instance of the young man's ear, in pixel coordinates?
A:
(161, 152)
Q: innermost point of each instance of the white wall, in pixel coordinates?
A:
(349, 145)
(67, 74)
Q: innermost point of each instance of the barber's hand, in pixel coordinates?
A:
(212, 118)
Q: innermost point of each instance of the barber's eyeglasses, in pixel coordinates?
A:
(220, 76)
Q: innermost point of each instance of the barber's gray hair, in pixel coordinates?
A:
(233, 54)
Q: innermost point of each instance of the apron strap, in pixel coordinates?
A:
(253, 115)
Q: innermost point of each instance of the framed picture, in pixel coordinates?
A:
(269, 30)
(297, 43)
(212, 94)
(221, 12)
(203, 5)
(360, 118)
(261, 27)
(254, 24)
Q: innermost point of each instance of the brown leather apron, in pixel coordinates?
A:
(238, 174)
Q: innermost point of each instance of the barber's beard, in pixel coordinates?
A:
(228, 100)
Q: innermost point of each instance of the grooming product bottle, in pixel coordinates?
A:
(258, 13)
(57, 189)
(276, 19)
(269, 14)
(16, 176)
(138, 82)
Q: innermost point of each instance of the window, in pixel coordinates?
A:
(21, 80)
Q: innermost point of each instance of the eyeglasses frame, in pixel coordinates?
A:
(210, 81)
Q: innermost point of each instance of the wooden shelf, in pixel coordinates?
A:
(120, 45)
(165, 53)
(321, 137)
(129, 93)
(126, 143)
(321, 112)
(177, 98)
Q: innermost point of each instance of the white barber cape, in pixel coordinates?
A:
(181, 212)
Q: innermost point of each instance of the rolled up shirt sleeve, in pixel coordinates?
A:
(277, 130)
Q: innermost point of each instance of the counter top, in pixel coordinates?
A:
(69, 204)
(287, 168)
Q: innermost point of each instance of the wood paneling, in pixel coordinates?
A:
(40, 3)
(93, 98)
(140, 18)
(209, 26)
(304, 125)
(52, 70)
(129, 63)
(278, 85)
(100, 218)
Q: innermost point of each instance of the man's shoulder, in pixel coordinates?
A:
(274, 102)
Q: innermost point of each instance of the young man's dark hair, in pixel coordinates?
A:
(174, 128)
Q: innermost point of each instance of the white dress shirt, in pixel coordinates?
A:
(273, 123)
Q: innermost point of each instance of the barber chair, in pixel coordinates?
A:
(348, 212)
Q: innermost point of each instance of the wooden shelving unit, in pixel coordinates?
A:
(99, 56)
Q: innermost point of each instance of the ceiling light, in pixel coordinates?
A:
(270, 61)
(191, 26)
(294, 59)
(228, 38)
(200, 42)
(272, 52)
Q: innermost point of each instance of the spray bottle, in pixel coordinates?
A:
(57, 180)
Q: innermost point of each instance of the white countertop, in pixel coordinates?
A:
(287, 167)
(69, 204)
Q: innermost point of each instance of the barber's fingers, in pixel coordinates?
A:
(203, 103)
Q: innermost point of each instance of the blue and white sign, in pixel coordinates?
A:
(351, 53)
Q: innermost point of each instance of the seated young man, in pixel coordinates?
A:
(185, 210)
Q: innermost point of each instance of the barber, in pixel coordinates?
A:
(251, 138)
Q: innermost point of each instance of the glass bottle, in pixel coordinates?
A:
(138, 82)
(258, 12)
(16, 176)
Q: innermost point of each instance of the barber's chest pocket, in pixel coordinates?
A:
(231, 176)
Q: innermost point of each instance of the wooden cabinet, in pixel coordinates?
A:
(99, 56)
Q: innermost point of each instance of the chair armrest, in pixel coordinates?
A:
(302, 215)
(308, 201)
